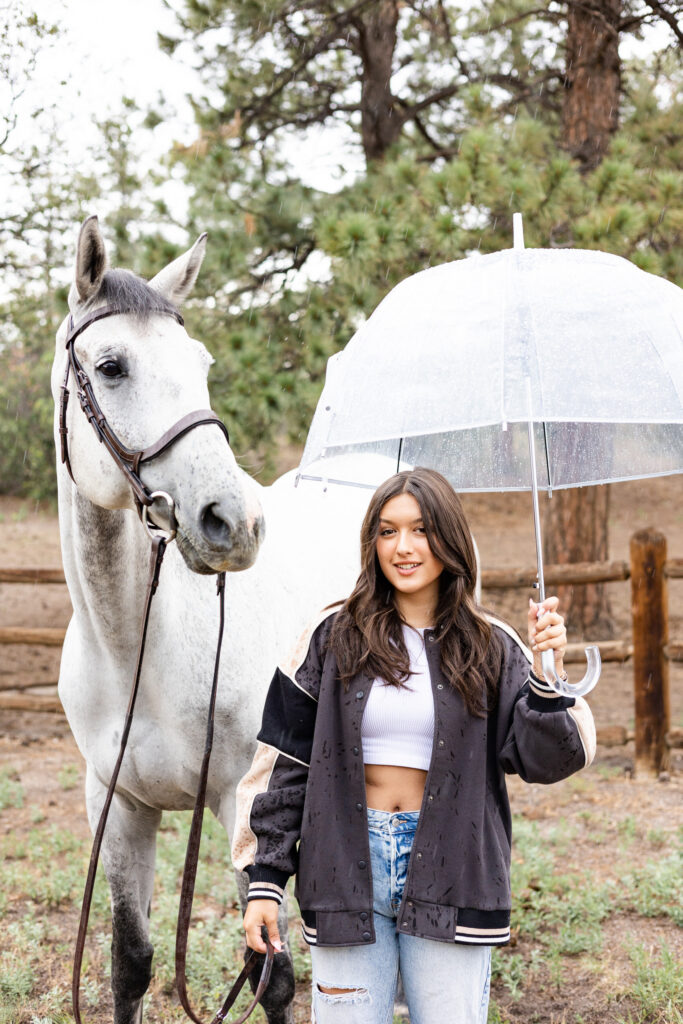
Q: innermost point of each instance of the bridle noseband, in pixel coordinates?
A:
(129, 463)
(128, 460)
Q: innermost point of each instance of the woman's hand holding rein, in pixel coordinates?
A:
(262, 914)
(546, 633)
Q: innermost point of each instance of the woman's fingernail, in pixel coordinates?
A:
(277, 946)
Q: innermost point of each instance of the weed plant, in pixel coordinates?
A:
(657, 990)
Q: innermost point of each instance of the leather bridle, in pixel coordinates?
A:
(129, 462)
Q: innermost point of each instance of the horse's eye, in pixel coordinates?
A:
(111, 368)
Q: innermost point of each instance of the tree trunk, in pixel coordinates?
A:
(575, 530)
(590, 114)
(575, 521)
(381, 123)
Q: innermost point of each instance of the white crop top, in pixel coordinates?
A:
(398, 722)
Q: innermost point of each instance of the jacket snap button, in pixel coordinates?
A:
(361, 864)
(439, 686)
(359, 807)
(405, 924)
(359, 695)
(431, 798)
(363, 916)
(356, 750)
(419, 856)
(441, 743)
(367, 936)
(410, 903)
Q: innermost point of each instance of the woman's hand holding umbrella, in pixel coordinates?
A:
(547, 632)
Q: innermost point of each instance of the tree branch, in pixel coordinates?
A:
(668, 16)
(299, 256)
(436, 97)
(439, 150)
(542, 12)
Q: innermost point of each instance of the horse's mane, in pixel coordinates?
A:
(128, 293)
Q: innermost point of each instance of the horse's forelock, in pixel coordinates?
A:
(125, 292)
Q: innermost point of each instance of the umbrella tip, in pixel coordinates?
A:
(517, 231)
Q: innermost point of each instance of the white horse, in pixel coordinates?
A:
(147, 373)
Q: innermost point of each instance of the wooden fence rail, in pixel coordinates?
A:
(648, 647)
(31, 576)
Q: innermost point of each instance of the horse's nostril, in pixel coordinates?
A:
(216, 530)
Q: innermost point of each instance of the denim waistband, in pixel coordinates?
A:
(392, 821)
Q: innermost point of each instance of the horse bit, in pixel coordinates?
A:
(129, 462)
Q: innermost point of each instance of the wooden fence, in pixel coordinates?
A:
(648, 647)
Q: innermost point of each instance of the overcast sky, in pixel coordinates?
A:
(108, 50)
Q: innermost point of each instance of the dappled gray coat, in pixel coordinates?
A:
(301, 808)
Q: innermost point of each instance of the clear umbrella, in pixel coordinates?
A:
(463, 364)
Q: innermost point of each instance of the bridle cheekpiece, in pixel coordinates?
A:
(128, 460)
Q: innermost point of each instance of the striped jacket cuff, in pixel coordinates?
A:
(266, 883)
(265, 891)
(542, 697)
(539, 686)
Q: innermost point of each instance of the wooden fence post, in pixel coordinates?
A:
(649, 610)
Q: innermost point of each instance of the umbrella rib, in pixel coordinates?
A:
(547, 459)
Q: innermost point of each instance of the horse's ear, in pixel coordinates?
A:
(91, 260)
(177, 280)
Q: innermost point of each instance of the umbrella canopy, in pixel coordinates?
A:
(440, 375)
(472, 366)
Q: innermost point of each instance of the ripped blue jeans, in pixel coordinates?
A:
(444, 983)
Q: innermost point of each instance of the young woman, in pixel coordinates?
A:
(379, 774)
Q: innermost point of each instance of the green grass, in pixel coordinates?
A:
(656, 888)
(68, 776)
(11, 790)
(548, 905)
(657, 989)
(559, 914)
(39, 943)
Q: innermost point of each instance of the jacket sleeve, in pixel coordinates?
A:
(544, 737)
(270, 797)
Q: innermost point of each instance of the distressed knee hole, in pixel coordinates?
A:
(351, 996)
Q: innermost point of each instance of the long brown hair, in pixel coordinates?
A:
(367, 635)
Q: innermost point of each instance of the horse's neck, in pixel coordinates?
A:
(106, 558)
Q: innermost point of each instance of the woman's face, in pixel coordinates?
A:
(403, 551)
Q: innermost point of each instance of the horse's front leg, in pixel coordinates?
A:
(128, 854)
(277, 999)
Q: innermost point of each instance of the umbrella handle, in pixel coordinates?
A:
(565, 688)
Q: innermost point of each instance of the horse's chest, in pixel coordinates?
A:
(161, 765)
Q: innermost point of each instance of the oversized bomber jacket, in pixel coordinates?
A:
(301, 808)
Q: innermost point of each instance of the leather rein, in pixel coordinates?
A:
(129, 462)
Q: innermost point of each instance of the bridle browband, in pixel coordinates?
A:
(129, 462)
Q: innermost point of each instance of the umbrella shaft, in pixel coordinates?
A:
(537, 515)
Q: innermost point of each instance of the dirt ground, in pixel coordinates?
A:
(38, 745)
